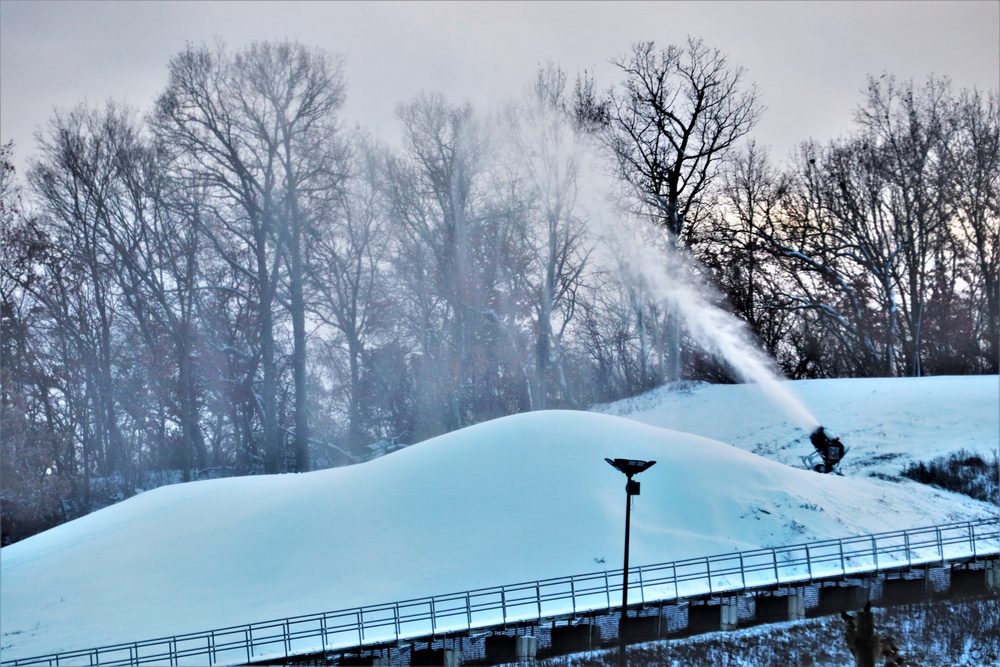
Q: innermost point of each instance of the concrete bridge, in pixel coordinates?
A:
(579, 612)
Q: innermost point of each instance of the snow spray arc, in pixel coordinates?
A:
(570, 176)
(667, 277)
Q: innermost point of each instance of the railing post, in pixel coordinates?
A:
(774, 559)
(809, 565)
(248, 639)
(940, 542)
(743, 572)
(708, 569)
(361, 628)
(642, 588)
(395, 618)
(286, 631)
(538, 599)
(972, 540)
(572, 592)
(906, 545)
(677, 592)
(607, 588)
(433, 619)
(503, 603)
(468, 610)
(875, 553)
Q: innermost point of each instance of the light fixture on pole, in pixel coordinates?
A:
(630, 467)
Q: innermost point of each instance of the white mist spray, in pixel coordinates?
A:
(670, 279)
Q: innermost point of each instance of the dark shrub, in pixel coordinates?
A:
(960, 472)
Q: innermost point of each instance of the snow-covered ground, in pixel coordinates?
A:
(886, 422)
(516, 499)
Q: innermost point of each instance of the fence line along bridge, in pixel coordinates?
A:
(565, 614)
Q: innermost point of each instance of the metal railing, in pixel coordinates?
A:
(550, 598)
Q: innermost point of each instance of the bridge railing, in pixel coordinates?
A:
(551, 598)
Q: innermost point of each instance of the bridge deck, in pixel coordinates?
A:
(546, 600)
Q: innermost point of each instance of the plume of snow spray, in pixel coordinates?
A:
(668, 278)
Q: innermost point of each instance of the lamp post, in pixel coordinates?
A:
(630, 467)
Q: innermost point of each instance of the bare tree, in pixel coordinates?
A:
(837, 235)
(304, 90)
(910, 130)
(677, 114)
(258, 128)
(432, 191)
(733, 243)
(606, 339)
(348, 256)
(975, 161)
(75, 180)
(552, 154)
(158, 248)
(38, 465)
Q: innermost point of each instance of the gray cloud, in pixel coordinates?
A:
(810, 59)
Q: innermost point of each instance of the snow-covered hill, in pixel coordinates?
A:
(516, 499)
(887, 422)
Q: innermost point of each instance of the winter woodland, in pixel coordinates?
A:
(233, 282)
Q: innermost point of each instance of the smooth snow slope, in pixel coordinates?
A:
(887, 422)
(516, 499)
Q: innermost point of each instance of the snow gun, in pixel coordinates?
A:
(828, 455)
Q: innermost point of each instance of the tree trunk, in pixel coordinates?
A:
(269, 388)
(298, 308)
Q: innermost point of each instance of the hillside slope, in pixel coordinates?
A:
(887, 422)
(516, 499)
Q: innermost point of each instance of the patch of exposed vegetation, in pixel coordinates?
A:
(882, 476)
(961, 472)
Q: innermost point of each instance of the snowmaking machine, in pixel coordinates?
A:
(828, 455)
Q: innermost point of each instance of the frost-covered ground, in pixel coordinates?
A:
(516, 499)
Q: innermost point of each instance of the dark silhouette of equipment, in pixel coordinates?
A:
(829, 452)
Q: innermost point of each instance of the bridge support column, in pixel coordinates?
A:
(729, 611)
(993, 578)
(796, 606)
(526, 647)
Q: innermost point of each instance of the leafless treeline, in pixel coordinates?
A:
(235, 282)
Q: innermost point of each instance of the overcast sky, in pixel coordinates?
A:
(809, 59)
